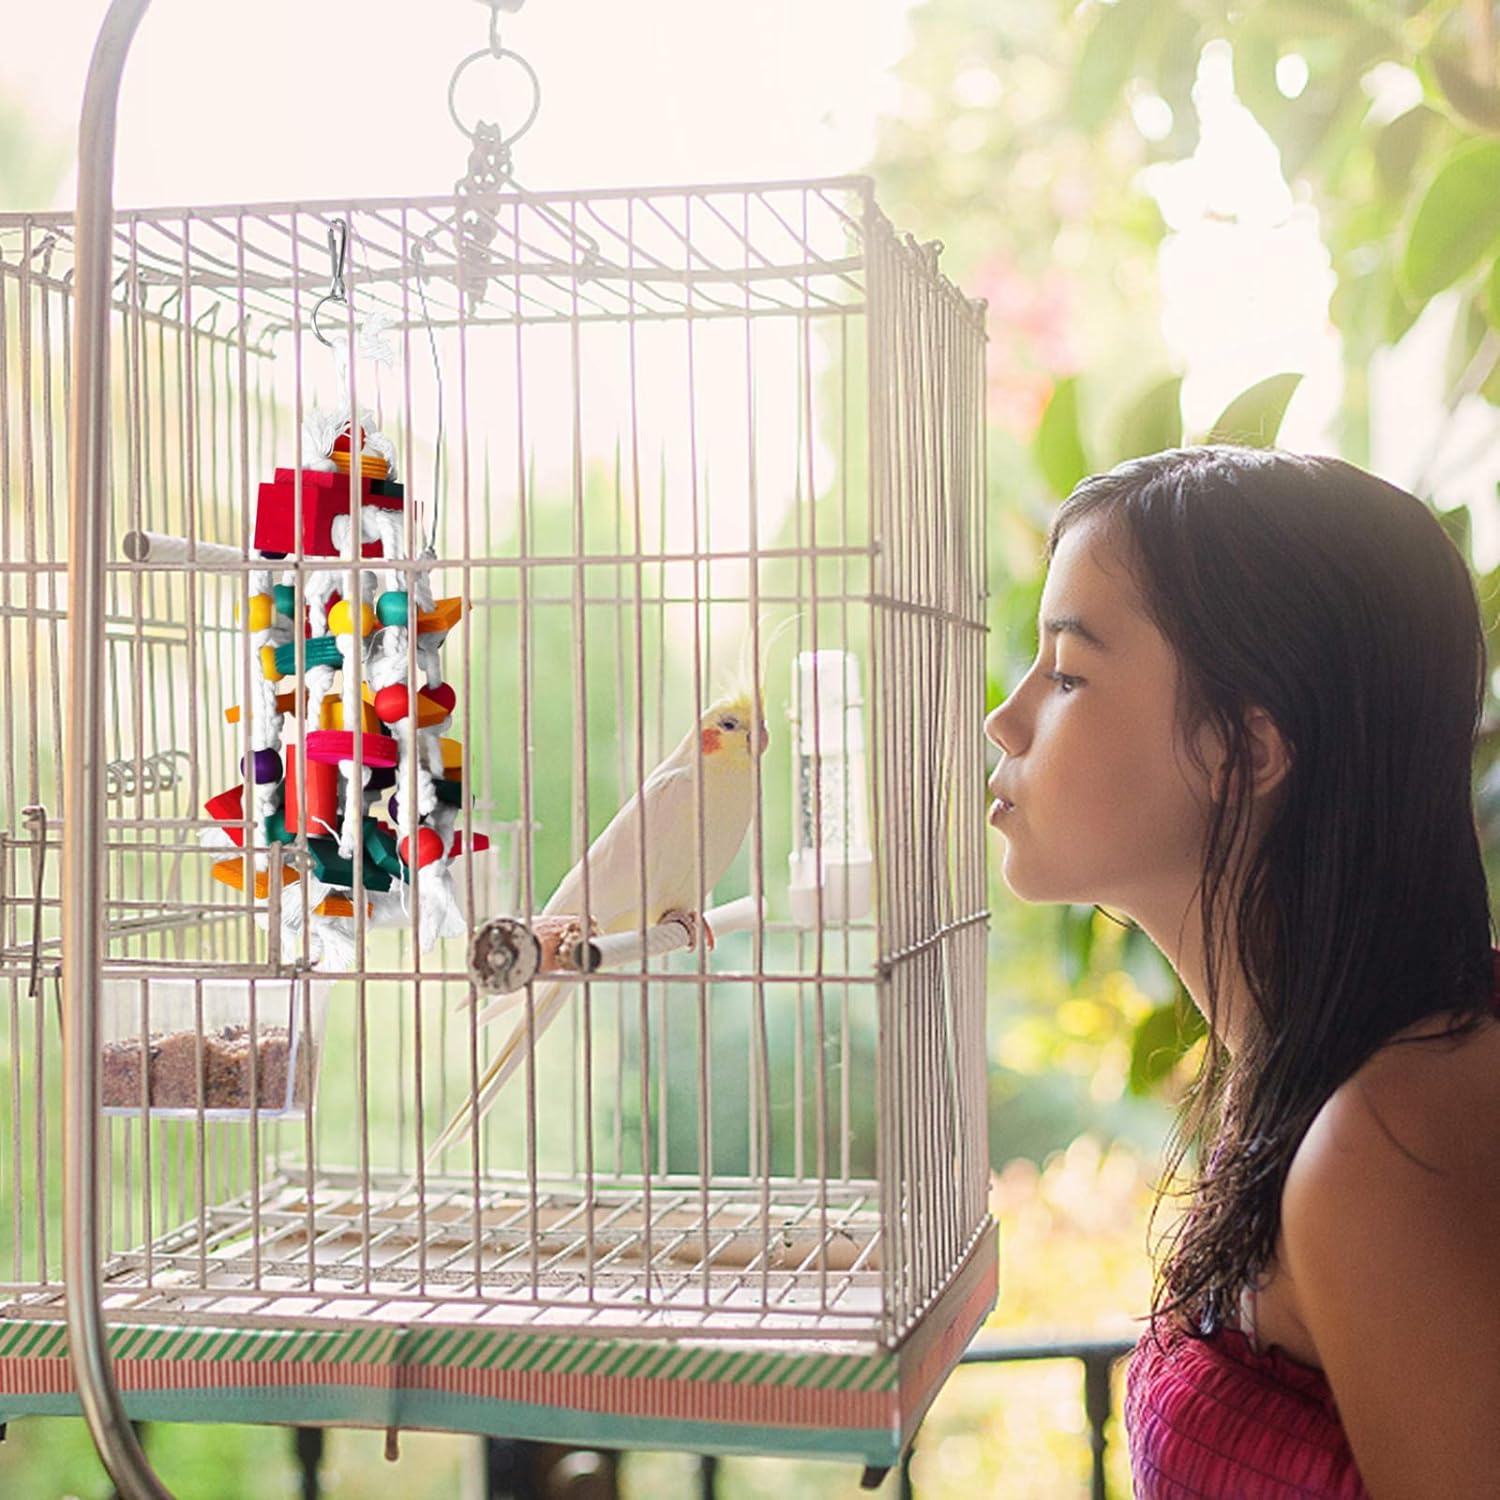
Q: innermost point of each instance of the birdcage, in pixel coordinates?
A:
(601, 451)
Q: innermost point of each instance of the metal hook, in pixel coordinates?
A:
(36, 818)
(338, 247)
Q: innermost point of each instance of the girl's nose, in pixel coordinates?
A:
(1003, 727)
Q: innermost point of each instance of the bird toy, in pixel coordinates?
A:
(311, 718)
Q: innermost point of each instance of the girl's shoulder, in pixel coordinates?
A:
(1389, 1232)
(1428, 1103)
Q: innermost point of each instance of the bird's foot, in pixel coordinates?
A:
(691, 920)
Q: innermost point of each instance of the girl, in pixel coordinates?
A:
(1249, 728)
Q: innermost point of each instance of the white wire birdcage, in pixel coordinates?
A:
(737, 1198)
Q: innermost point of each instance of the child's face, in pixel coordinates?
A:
(1096, 796)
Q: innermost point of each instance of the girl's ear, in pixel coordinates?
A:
(1270, 755)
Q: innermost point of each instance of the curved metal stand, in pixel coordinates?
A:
(83, 825)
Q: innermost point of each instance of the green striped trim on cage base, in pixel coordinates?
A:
(27, 1339)
(709, 1361)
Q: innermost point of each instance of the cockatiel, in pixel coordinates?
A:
(725, 744)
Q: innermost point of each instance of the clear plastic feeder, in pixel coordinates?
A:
(830, 865)
(232, 1044)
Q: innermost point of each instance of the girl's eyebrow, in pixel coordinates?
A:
(1073, 625)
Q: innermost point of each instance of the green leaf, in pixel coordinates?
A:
(1059, 443)
(1475, 102)
(1254, 417)
(1399, 145)
(1109, 57)
(1492, 295)
(1077, 945)
(1154, 422)
(1459, 525)
(1161, 1040)
(1457, 222)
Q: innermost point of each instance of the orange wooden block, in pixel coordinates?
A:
(429, 711)
(340, 906)
(443, 615)
(285, 703)
(232, 872)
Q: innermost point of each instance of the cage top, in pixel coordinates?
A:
(792, 248)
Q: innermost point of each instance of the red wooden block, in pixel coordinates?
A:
(429, 847)
(324, 498)
(229, 807)
(481, 843)
(322, 797)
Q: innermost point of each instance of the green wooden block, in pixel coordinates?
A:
(321, 651)
(331, 866)
(380, 850)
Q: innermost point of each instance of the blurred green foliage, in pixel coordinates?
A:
(1017, 144)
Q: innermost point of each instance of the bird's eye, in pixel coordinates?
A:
(729, 724)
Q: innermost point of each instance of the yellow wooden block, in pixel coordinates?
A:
(262, 611)
(331, 715)
(232, 872)
(341, 619)
(453, 759)
(268, 664)
(444, 615)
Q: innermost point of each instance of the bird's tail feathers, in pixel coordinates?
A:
(548, 1000)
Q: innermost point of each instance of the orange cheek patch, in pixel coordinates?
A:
(710, 741)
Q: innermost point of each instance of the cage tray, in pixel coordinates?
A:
(735, 1352)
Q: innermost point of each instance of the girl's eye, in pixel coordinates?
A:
(1065, 683)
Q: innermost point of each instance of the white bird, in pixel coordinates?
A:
(721, 750)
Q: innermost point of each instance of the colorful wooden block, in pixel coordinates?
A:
(429, 847)
(443, 615)
(325, 497)
(392, 607)
(433, 706)
(338, 905)
(285, 703)
(380, 849)
(322, 809)
(229, 807)
(334, 745)
(331, 715)
(341, 619)
(481, 843)
(320, 651)
(331, 867)
(232, 872)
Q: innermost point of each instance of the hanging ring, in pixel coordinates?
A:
(318, 333)
(338, 249)
(499, 54)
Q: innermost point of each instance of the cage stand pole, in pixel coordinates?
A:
(84, 824)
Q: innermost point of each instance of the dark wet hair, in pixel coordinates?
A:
(1335, 602)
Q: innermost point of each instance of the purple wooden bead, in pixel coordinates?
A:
(267, 767)
(395, 808)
